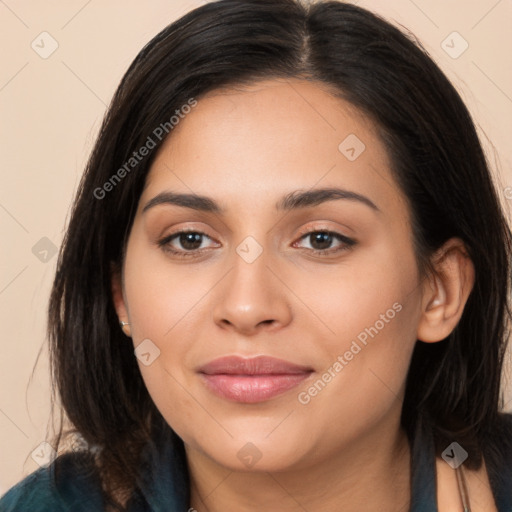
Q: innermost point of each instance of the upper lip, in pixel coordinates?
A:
(260, 365)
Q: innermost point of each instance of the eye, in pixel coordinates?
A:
(322, 240)
(189, 240)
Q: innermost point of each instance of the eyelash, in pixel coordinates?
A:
(164, 243)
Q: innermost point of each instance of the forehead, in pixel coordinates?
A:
(242, 144)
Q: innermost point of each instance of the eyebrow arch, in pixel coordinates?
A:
(292, 201)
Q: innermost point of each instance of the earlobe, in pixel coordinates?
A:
(119, 301)
(446, 292)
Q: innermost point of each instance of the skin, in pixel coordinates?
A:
(246, 148)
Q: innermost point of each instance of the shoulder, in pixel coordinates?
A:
(68, 483)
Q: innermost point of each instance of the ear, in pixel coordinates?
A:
(119, 298)
(445, 293)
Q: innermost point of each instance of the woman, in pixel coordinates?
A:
(284, 282)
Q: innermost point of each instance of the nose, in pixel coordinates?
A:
(252, 298)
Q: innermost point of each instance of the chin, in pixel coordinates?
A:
(259, 454)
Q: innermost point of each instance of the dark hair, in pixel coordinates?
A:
(453, 387)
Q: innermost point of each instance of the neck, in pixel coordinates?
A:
(371, 474)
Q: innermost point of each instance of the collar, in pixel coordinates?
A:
(423, 472)
(164, 478)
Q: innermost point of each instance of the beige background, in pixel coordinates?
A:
(51, 110)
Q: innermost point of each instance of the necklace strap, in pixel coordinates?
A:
(463, 490)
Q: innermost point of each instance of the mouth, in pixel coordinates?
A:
(252, 380)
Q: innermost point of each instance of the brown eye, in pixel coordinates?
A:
(189, 243)
(321, 241)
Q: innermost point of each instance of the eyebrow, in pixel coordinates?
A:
(292, 201)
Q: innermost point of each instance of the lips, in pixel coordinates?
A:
(252, 380)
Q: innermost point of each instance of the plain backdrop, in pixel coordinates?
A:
(51, 106)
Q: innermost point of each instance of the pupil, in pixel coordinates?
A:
(324, 239)
(194, 239)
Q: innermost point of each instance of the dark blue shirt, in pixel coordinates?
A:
(163, 485)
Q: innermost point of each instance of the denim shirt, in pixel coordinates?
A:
(163, 485)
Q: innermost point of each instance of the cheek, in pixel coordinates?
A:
(169, 392)
(160, 295)
(364, 311)
(165, 307)
(367, 363)
(372, 317)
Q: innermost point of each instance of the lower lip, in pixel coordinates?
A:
(252, 388)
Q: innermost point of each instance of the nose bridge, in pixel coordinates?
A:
(251, 295)
(250, 276)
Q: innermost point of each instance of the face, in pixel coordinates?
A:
(328, 286)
